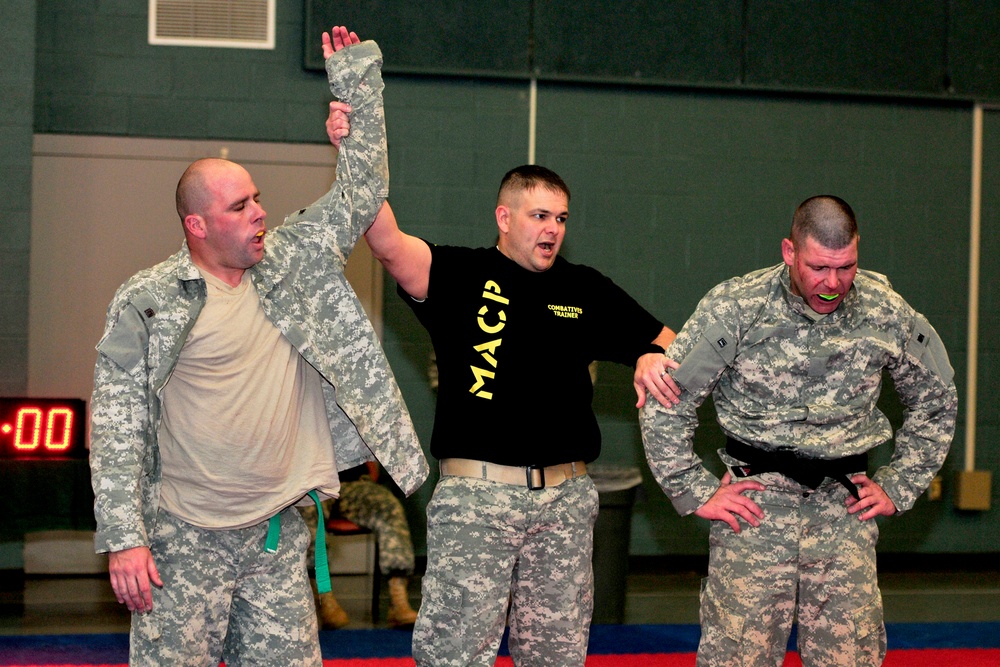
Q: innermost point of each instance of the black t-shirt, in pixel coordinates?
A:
(513, 348)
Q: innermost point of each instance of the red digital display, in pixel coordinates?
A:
(42, 428)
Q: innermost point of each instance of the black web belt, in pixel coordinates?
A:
(805, 471)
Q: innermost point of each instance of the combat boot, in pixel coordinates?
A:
(401, 614)
(329, 612)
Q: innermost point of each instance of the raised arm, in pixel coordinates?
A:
(341, 215)
(337, 124)
(338, 37)
(405, 257)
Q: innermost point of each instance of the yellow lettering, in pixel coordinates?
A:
(494, 328)
(488, 350)
(479, 374)
(492, 291)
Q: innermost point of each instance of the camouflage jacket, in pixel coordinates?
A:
(302, 290)
(782, 379)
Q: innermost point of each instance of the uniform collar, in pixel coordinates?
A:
(186, 268)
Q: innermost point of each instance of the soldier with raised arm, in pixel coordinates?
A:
(233, 380)
(514, 329)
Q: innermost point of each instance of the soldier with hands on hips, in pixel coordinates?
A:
(793, 357)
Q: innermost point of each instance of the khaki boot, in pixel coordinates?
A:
(329, 612)
(401, 614)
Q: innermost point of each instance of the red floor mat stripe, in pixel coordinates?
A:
(899, 658)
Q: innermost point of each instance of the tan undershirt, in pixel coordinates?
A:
(244, 432)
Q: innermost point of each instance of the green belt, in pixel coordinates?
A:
(322, 566)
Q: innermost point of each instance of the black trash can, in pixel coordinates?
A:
(616, 487)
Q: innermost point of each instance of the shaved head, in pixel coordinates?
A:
(192, 189)
(827, 219)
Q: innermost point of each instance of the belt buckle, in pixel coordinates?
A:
(535, 477)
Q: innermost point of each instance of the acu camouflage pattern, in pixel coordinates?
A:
(781, 380)
(372, 506)
(486, 541)
(809, 561)
(207, 608)
(303, 292)
(780, 377)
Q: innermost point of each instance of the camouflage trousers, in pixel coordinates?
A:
(489, 543)
(372, 506)
(809, 559)
(224, 598)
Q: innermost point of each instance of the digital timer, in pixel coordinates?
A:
(42, 428)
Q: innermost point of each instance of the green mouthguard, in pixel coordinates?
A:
(828, 297)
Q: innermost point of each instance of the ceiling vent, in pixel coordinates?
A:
(238, 24)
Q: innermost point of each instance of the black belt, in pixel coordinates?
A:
(805, 471)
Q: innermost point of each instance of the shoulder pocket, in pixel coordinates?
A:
(125, 343)
(926, 346)
(714, 351)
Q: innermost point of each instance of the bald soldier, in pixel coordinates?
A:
(793, 356)
(233, 380)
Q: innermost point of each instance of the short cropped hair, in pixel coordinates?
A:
(828, 219)
(529, 177)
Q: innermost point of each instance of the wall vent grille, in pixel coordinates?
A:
(241, 24)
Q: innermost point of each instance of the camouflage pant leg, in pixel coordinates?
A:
(809, 549)
(483, 537)
(553, 597)
(374, 506)
(840, 606)
(224, 597)
(748, 598)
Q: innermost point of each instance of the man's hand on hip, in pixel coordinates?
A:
(728, 502)
(874, 500)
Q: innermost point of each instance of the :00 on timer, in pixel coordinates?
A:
(54, 431)
(48, 428)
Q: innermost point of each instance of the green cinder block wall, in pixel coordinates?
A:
(673, 190)
(96, 74)
(17, 89)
